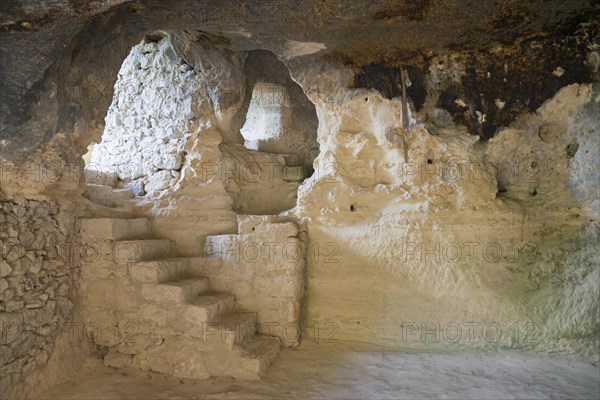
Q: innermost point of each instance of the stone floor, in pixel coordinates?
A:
(348, 372)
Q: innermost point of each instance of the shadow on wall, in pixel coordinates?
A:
(279, 117)
(422, 255)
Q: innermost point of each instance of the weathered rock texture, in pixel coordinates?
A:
(462, 214)
(39, 272)
(151, 118)
(172, 137)
(280, 118)
(425, 240)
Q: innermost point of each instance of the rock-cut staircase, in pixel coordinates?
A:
(150, 313)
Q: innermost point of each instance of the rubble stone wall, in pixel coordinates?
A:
(39, 276)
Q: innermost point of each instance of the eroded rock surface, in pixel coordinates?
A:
(39, 272)
(453, 204)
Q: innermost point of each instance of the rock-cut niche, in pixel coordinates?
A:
(280, 118)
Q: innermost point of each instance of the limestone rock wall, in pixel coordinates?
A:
(39, 271)
(163, 132)
(427, 240)
(555, 151)
(172, 135)
(280, 118)
(259, 183)
(151, 118)
(375, 272)
(220, 181)
(401, 223)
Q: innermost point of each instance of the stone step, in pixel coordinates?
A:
(158, 271)
(248, 360)
(130, 251)
(116, 228)
(178, 292)
(230, 329)
(122, 195)
(99, 194)
(189, 357)
(259, 352)
(209, 306)
(106, 196)
(95, 177)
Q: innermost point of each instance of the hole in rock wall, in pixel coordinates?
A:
(147, 125)
(279, 128)
(280, 118)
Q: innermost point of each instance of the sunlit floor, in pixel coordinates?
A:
(342, 372)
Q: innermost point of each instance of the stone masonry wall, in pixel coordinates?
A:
(150, 119)
(264, 267)
(39, 268)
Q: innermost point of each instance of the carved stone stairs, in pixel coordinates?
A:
(182, 326)
(101, 189)
(106, 196)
